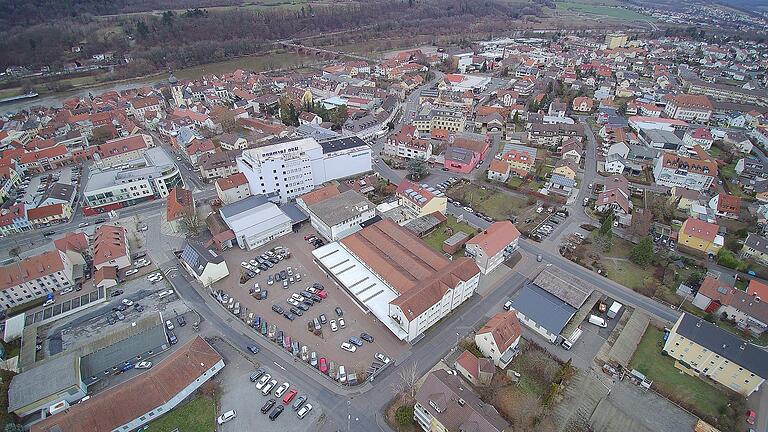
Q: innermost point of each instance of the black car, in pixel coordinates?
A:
(296, 311)
(366, 337)
(277, 309)
(257, 374)
(253, 349)
(308, 303)
(267, 406)
(283, 274)
(101, 220)
(269, 264)
(250, 274)
(120, 307)
(263, 266)
(180, 319)
(338, 311)
(306, 294)
(138, 307)
(356, 341)
(49, 233)
(279, 337)
(263, 295)
(116, 293)
(302, 306)
(274, 260)
(315, 298)
(172, 337)
(318, 286)
(111, 319)
(289, 316)
(323, 319)
(256, 322)
(276, 412)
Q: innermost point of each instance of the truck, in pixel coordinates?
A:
(598, 321)
(614, 310)
(571, 340)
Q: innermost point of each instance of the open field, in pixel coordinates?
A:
(599, 9)
(197, 415)
(497, 205)
(670, 381)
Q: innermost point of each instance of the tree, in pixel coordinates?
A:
(641, 223)
(404, 415)
(141, 28)
(642, 252)
(405, 386)
(417, 168)
(606, 229)
(339, 116)
(191, 222)
(167, 19)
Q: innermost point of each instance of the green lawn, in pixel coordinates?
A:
(497, 205)
(601, 10)
(671, 381)
(437, 237)
(620, 270)
(197, 415)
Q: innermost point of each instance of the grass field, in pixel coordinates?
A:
(621, 270)
(672, 382)
(598, 9)
(197, 415)
(497, 205)
(437, 237)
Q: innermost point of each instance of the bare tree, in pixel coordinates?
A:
(405, 386)
(191, 222)
(641, 223)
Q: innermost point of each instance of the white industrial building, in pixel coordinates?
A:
(255, 221)
(335, 214)
(295, 167)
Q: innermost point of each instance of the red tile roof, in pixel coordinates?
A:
(505, 329)
(319, 195)
(499, 166)
(134, 398)
(30, 269)
(109, 243)
(233, 181)
(74, 241)
(758, 288)
(122, 145)
(45, 212)
(496, 237)
(728, 204)
(178, 203)
(700, 229)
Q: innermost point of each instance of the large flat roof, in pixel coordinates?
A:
(361, 283)
(544, 308)
(40, 382)
(564, 285)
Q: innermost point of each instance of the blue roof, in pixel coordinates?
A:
(544, 308)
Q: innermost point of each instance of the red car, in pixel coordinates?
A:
(323, 365)
(322, 294)
(289, 396)
(751, 417)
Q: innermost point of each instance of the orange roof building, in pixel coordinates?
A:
(110, 247)
(494, 245)
(499, 338)
(35, 276)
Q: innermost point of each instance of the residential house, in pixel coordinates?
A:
(748, 309)
(122, 150)
(74, 245)
(407, 144)
(179, 205)
(755, 248)
(49, 214)
(700, 236)
(704, 349)
(566, 168)
(419, 200)
(615, 164)
(494, 245)
(700, 136)
(232, 141)
(740, 141)
(572, 149)
(499, 338)
(498, 171)
(583, 104)
(712, 295)
(203, 264)
(465, 151)
(552, 135)
(445, 403)
(478, 371)
(615, 196)
(521, 159)
(219, 164)
(232, 188)
(307, 117)
(685, 197)
(110, 247)
(726, 205)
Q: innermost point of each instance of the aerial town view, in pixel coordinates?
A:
(384, 215)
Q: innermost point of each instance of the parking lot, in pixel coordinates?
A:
(240, 394)
(326, 343)
(546, 221)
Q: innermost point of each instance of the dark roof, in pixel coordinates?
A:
(344, 143)
(293, 211)
(458, 154)
(198, 257)
(757, 243)
(725, 344)
(245, 205)
(544, 308)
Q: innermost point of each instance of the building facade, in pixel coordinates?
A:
(35, 277)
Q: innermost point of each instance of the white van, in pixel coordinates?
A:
(508, 305)
(342, 374)
(598, 321)
(614, 310)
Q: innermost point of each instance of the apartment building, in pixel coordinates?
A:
(493, 246)
(219, 164)
(430, 119)
(110, 247)
(690, 172)
(407, 145)
(150, 177)
(499, 338)
(728, 92)
(293, 168)
(232, 188)
(689, 107)
(756, 248)
(702, 349)
(122, 150)
(34, 277)
(420, 200)
(554, 134)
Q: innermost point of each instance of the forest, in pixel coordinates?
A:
(43, 32)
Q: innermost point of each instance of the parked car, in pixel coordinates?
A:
(381, 357)
(366, 337)
(257, 374)
(169, 325)
(355, 341)
(323, 365)
(253, 349)
(263, 381)
(338, 311)
(128, 302)
(181, 321)
(289, 396)
(341, 322)
(346, 346)
(751, 416)
(267, 406)
(276, 412)
(144, 365)
(334, 327)
(304, 411)
(227, 416)
(280, 391)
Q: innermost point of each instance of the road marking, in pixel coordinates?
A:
(278, 365)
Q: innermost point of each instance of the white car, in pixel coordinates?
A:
(169, 325)
(382, 358)
(334, 327)
(342, 323)
(227, 416)
(267, 388)
(346, 346)
(245, 265)
(127, 302)
(131, 272)
(468, 209)
(280, 391)
(304, 411)
(82, 224)
(263, 381)
(292, 302)
(144, 365)
(155, 277)
(66, 291)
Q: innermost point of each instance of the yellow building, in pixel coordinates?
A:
(49, 214)
(700, 236)
(615, 40)
(566, 168)
(449, 120)
(707, 351)
(419, 200)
